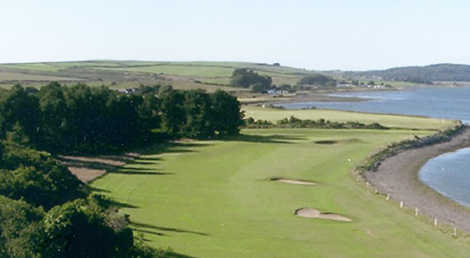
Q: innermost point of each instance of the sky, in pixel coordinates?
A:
(317, 35)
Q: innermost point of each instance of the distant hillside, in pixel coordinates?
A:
(124, 74)
(430, 73)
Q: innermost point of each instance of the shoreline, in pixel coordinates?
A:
(398, 177)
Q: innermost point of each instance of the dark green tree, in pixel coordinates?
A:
(317, 80)
(173, 112)
(198, 121)
(20, 108)
(247, 78)
(20, 229)
(226, 115)
(77, 229)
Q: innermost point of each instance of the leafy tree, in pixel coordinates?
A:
(226, 115)
(173, 112)
(53, 115)
(247, 78)
(198, 114)
(20, 229)
(78, 229)
(318, 80)
(20, 108)
(36, 178)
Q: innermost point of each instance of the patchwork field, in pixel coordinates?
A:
(219, 199)
(120, 74)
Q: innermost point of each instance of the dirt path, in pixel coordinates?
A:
(398, 176)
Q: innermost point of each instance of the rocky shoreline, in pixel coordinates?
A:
(397, 176)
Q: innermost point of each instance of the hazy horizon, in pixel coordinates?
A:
(364, 35)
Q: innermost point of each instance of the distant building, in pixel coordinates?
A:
(128, 90)
(277, 92)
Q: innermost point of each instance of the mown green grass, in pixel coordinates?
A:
(343, 116)
(212, 199)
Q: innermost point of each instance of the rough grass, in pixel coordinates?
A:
(214, 198)
(344, 116)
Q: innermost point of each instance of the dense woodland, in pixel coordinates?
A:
(47, 212)
(97, 119)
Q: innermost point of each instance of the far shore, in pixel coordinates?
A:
(398, 177)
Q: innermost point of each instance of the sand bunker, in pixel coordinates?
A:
(292, 181)
(316, 214)
(86, 174)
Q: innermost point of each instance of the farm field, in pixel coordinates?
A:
(215, 199)
(121, 74)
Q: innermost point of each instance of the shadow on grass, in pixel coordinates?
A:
(148, 227)
(170, 147)
(171, 254)
(139, 173)
(148, 232)
(117, 204)
(276, 138)
(98, 190)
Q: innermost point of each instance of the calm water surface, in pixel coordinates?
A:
(448, 174)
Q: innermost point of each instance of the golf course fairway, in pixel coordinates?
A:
(216, 199)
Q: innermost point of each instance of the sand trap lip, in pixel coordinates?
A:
(292, 181)
(316, 214)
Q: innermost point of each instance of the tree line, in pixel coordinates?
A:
(246, 78)
(97, 119)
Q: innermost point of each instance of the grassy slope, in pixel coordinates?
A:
(341, 116)
(212, 199)
(182, 74)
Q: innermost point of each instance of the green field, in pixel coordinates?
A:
(343, 116)
(213, 199)
(181, 75)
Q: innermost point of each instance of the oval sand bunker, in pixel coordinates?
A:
(292, 181)
(316, 214)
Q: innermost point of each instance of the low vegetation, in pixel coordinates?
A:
(293, 122)
(392, 121)
(373, 162)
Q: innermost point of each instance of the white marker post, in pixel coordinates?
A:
(401, 204)
(435, 221)
(388, 197)
(416, 212)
